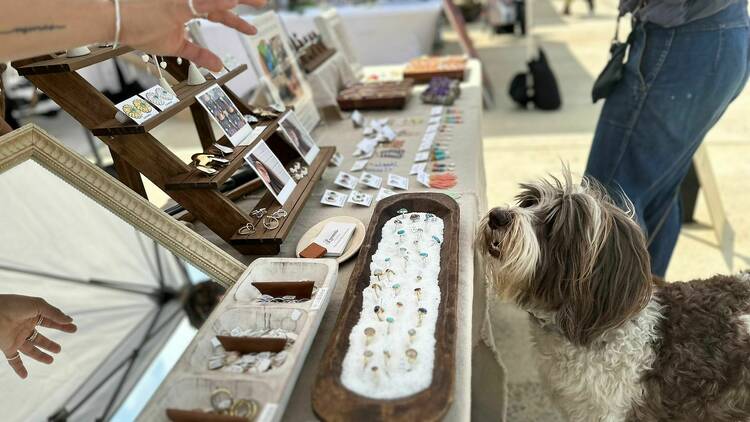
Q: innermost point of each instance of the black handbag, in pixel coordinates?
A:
(544, 92)
(614, 69)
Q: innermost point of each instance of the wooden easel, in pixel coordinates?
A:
(136, 151)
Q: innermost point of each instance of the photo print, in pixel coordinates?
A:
(298, 137)
(271, 171)
(225, 114)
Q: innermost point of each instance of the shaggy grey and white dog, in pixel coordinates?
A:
(613, 344)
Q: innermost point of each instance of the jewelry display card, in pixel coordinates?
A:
(371, 180)
(337, 159)
(422, 156)
(159, 97)
(225, 114)
(360, 198)
(346, 180)
(333, 198)
(417, 168)
(138, 109)
(359, 165)
(424, 179)
(397, 181)
(271, 171)
(298, 137)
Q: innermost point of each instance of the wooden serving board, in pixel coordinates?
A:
(334, 402)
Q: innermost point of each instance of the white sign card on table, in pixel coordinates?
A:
(332, 30)
(223, 111)
(271, 171)
(298, 137)
(275, 63)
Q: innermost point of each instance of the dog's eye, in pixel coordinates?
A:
(527, 202)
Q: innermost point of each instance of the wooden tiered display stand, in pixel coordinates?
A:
(136, 151)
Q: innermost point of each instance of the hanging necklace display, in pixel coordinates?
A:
(194, 75)
(78, 52)
(163, 81)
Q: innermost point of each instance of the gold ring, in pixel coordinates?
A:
(32, 337)
(14, 357)
(250, 408)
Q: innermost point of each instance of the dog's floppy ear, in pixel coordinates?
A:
(615, 283)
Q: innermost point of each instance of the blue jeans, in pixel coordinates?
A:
(677, 84)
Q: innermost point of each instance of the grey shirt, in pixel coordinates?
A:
(670, 13)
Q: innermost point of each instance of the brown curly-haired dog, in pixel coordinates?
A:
(613, 344)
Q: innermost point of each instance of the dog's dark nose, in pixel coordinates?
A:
(498, 218)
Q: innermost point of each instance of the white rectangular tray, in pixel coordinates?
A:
(190, 383)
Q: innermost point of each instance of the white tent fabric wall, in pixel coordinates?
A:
(53, 237)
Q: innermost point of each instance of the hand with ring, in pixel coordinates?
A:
(158, 26)
(19, 318)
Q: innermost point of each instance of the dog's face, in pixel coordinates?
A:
(568, 250)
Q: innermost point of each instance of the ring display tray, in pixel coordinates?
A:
(137, 152)
(376, 95)
(332, 401)
(188, 387)
(423, 69)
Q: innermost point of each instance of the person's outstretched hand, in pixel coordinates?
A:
(19, 317)
(158, 26)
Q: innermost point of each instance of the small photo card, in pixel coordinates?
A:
(271, 171)
(359, 165)
(422, 156)
(346, 180)
(397, 181)
(436, 111)
(360, 198)
(434, 120)
(424, 179)
(225, 114)
(358, 119)
(432, 128)
(333, 198)
(298, 137)
(138, 109)
(159, 97)
(371, 180)
(417, 168)
(384, 193)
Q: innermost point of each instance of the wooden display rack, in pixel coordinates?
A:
(136, 151)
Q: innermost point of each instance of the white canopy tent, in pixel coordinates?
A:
(121, 288)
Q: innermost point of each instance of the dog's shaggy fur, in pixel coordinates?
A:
(613, 344)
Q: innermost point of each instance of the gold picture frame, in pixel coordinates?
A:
(33, 143)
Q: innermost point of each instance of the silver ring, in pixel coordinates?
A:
(33, 336)
(271, 222)
(248, 228)
(40, 320)
(195, 12)
(14, 357)
(280, 213)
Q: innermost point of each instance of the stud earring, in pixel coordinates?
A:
(379, 311)
(421, 312)
(390, 321)
(369, 335)
(412, 335)
(376, 289)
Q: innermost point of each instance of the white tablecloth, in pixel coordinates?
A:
(330, 78)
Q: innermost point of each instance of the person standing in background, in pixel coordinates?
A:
(687, 61)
